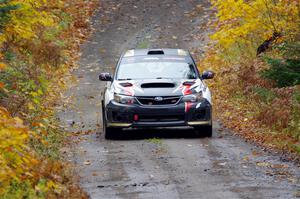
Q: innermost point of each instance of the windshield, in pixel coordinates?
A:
(156, 70)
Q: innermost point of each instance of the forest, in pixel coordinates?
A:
(254, 48)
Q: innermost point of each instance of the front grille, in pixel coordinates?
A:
(160, 118)
(160, 101)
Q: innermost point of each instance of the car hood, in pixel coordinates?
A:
(157, 87)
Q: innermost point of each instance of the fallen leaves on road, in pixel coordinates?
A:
(297, 194)
(263, 164)
(222, 163)
(87, 162)
(274, 166)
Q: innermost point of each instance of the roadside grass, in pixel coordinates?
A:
(144, 44)
(266, 95)
(156, 141)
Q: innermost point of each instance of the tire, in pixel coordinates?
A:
(204, 131)
(109, 133)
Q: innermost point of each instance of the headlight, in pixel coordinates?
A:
(124, 99)
(197, 97)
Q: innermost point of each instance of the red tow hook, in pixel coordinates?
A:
(136, 117)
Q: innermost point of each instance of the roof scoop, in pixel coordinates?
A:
(156, 52)
(158, 85)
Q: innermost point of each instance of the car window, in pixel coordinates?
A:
(156, 70)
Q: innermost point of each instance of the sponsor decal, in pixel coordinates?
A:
(125, 89)
(186, 90)
(188, 106)
(128, 91)
(198, 105)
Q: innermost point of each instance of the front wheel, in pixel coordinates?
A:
(205, 131)
(109, 133)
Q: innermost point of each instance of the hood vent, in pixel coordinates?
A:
(158, 85)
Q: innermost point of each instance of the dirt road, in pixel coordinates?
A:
(174, 165)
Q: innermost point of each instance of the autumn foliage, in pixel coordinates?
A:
(16, 158)
(257, 94)
(39, 40)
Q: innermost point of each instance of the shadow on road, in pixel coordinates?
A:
(134, 134)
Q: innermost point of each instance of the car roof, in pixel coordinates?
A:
(156, 55)
(155, 52)
(140, 55)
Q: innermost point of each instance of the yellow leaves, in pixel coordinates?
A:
(18, 163)
(2, 66)
(15, 158)
(30, 106)
(249, 23)
(37, 93)
(26, 19)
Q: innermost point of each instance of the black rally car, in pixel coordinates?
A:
(156, 88)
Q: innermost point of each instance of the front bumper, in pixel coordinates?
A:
(137, 116)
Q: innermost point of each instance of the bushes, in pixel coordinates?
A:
(286, 71)
(38, 43)
(25, 174)
(247, 97)
(294, 126)
(19, 165)
(23, 39)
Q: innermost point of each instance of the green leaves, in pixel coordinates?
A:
(5, 9)
(265, 95)
(285, 71)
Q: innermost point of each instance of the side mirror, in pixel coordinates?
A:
(105, 77)
(208, 75)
